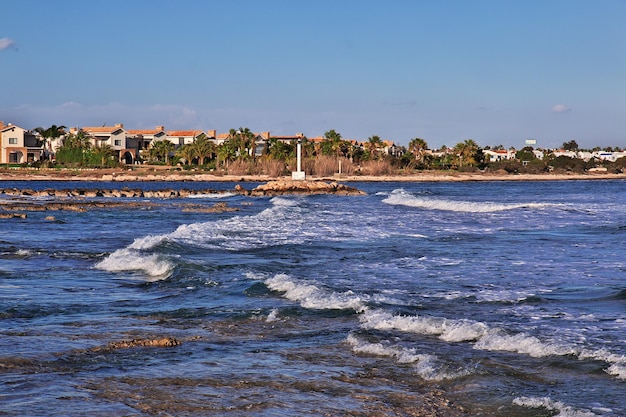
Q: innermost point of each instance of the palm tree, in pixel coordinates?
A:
(104, 151)
(332, 144)
(418, 148)
(466, 152)
(161, 149)
(203, 148)
(374, 144)
(248, 141)
(227, 151)
(79, 140)
(50, 134)
(186, 152)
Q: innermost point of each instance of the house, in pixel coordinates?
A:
(113, 136)
(139, 140)
(260, 141)
(184, 137)
(500, 154)
(18, 145)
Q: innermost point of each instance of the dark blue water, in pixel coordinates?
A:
(507, 298)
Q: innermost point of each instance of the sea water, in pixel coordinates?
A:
(506, 298)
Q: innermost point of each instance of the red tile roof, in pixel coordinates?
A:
(182, 133)
(101, 129)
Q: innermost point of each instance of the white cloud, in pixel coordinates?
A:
(561, 108)
(6, 43)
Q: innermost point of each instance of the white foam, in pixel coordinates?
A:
(617, 363)
(401, 355)
(284, 201)
(272, 316)
(312, 297)
(549, 404)
(212, 195)
(400, 197)
(127, 259)
(270, 226)
(426, 366)
(447, 330)
(496, 340)
(486, 338)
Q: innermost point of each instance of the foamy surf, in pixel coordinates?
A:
(551, 405)
(153, 266)
(313, 297)
(401, 197)
(447, 330)
(426, 366)
(212, 195)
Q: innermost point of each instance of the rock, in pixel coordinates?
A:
(50, 218)
(304, 187)
(126, 344)
(220, 207)
(13, 215)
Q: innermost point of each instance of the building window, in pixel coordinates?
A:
(13, 158)
(118, 142)
(12, 141)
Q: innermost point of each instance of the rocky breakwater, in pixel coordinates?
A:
(111, 193)
(282, 187)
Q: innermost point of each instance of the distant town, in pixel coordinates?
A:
(243, 151)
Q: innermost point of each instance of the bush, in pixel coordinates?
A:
(377, 168)
(239, 167)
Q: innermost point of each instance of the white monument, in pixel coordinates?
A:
(298, 175)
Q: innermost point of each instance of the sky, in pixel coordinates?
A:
(495, 71)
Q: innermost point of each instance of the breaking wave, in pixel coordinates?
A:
(128, 259)
(403, 198)
(490, 339)
(427, 366)
(551, 405)
(272, 226)
(313, 297)
(212, 195)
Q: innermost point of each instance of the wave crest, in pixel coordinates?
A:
(403, 198)
(313, 297)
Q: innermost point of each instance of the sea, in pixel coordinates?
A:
(504, 298)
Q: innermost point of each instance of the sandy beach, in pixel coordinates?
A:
(160, 173)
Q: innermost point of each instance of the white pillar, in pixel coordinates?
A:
(299, 174)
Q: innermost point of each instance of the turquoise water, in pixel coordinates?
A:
(507, 297)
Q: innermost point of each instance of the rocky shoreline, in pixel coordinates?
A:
(164, 174)
(84, 199)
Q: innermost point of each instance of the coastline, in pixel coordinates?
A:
(153, 174)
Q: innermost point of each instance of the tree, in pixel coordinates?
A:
(202, 149)
(244, 141)
(48, 135)
(227, 151)
(161, 149)
(74, 148)
(466, 151)
(103, 151)
(570, 146)
(280, 150)
(374, 144)
(186, 153)
(418, 148)
(332, 144)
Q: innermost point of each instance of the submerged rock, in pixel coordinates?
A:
(126, 344)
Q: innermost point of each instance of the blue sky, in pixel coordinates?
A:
(494, 71)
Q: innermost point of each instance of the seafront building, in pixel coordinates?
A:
(19, 145)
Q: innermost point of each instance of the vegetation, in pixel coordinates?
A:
(243, 152)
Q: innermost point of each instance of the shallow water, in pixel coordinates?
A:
(507, 298)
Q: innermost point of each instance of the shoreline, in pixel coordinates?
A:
(164, 174)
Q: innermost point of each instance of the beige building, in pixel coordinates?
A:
(18, 145)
